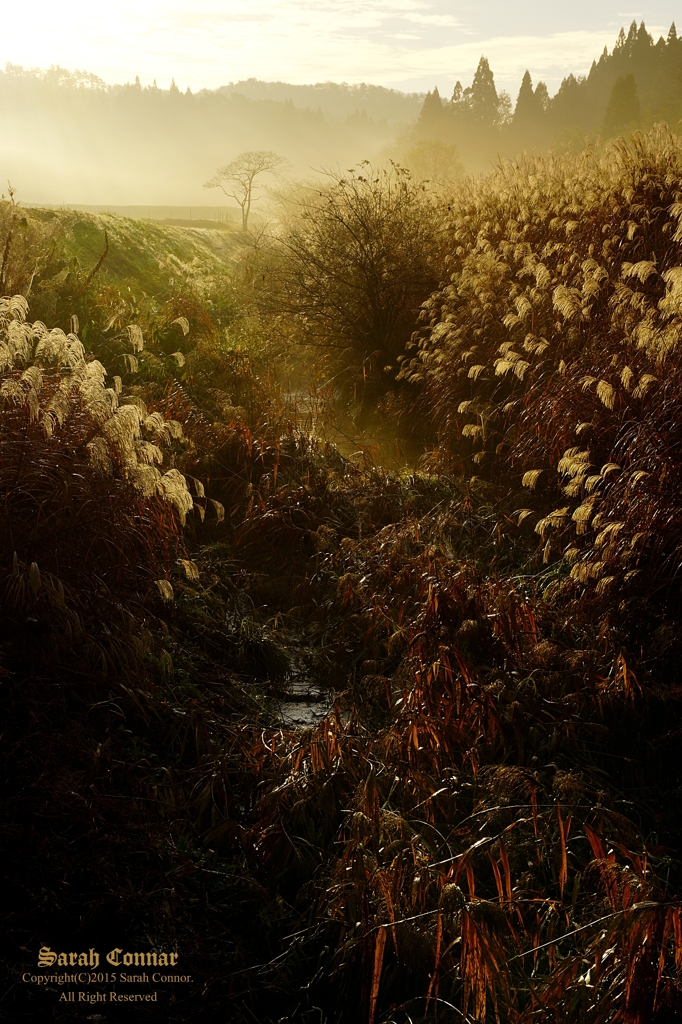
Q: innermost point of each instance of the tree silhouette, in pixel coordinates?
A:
(433, 161)
(635, 84)
(431, 115)
(531, 103)
(623, 109)
(483, 98)
(351, 272)
(238, 178)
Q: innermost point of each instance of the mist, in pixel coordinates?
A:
(71, 139)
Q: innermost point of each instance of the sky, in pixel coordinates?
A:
(406, 44)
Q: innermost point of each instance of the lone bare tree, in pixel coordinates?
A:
(238, 178)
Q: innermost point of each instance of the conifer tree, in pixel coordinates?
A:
(568, 105)
(643, 37)
(542, 96)
(623, 109)
(431, 113)
(483, 98)
(632, 36)
(529, 105)
(524, 102)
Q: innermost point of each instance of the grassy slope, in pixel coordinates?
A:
(141, 253)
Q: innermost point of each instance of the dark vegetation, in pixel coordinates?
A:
(486, 825)
(345, 273)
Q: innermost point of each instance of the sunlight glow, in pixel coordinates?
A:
(411, 44)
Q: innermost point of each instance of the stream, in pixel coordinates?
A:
(304, 704)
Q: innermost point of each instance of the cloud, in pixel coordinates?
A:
(381, 41)
(443, 20)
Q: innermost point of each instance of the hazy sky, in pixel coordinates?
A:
(408, 44)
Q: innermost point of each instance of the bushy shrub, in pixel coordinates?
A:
(349, 270)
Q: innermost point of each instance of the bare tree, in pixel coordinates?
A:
(238, 178)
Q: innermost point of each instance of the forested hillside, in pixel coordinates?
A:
(634, 86)
(336, 99)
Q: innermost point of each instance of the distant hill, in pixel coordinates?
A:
(336, 99)
(70, 138)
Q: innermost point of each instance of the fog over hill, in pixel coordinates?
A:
(337, 99)
(70, 138)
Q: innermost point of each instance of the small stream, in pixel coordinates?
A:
(376, 445)
(304, 704)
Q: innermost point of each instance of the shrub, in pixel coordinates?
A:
(350, 269)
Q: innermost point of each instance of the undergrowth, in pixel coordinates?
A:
(485, 826)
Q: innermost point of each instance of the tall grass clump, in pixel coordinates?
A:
(86, 497)
(551, 358)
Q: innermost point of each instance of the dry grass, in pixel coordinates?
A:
(486, 825)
